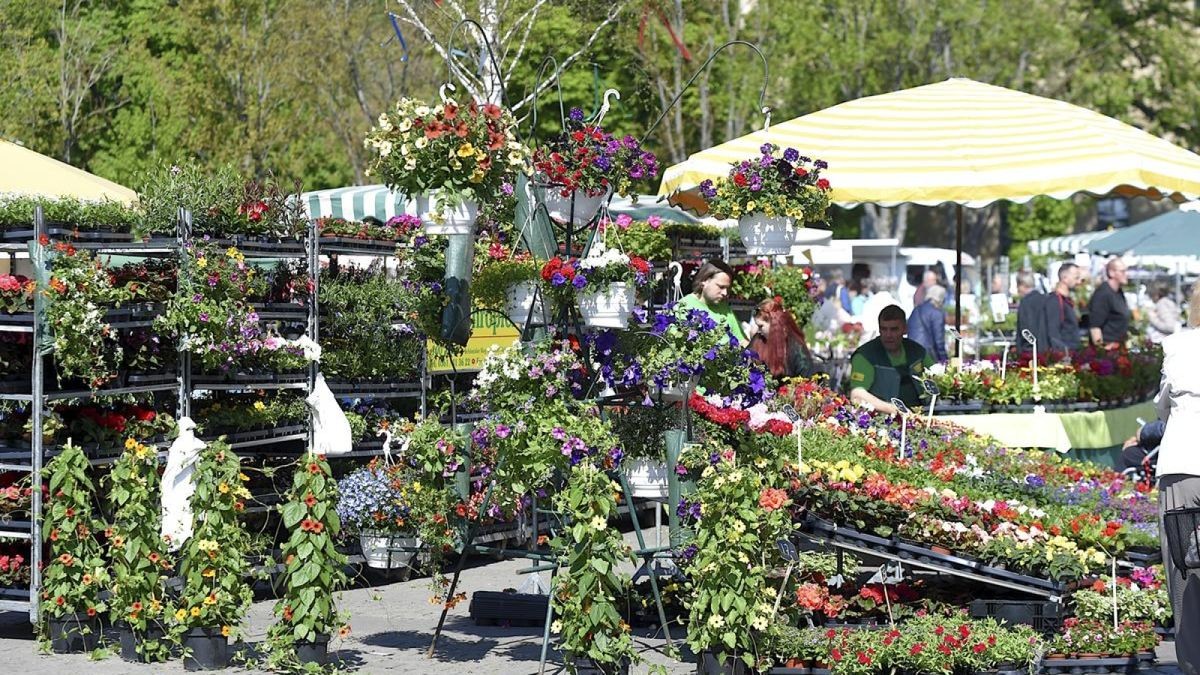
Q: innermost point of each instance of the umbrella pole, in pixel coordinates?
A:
(958, 270)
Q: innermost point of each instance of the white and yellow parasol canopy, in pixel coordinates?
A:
(963, 142)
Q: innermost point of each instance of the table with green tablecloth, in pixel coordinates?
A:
(1095, 435)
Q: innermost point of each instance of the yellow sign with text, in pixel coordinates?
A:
(487, 329)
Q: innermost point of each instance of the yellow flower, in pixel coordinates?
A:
(210, 600)
(416, 487)
(195, 611)
(223, 488)
(201, 262)
(130, 444)
(466, 150)
(260, 406)
(180, 615)
(598, 523)
(242, 476)
(209, 573)
(225, 630)
(232, 252)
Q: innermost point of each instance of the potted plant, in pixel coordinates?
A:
(372, 504)
(138, 553)
(769, 195)
(509, 285)
(448, 157)
(213, 563)
(80, 292)
(16, 293)
(640, 429)
(312, 569)
(604, 283)
(76, 572)
(591, 631)
(580, 168)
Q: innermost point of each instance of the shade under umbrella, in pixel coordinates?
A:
(1176, 233)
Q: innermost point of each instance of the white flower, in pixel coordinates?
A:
(716, 621)
(385, 149)
(421, 111)
(384, 122)
(421, 142)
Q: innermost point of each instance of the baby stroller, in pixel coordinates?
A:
(1140, 459)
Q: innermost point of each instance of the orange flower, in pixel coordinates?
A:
(344, 631)
(65, 559)
(314, 468)
(154, 557)
(225, 630)
(287, 613)
(87, 579)
(54, 534)
(310, 500)
(91, 611)
(136, 606)
(772, 498)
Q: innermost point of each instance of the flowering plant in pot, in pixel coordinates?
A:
(604, 282)
(508, 285)
(213, 562)
(397, 228)
(16, 293)
(739, 517)
(80, 292)
(138, 553)
(589, 624)
(76, 573)
(769, 194)
(372, 503)
(457, 156)
(307, 614)
(14, 570)
(587, 163)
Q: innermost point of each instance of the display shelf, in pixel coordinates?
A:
(353, 246)
(280, 310)
(260, 437)
(360, 389)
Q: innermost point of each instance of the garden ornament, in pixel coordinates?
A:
(177, 485)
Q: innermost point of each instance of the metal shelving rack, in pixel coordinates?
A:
(31, 461)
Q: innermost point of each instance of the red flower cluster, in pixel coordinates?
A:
(254, 211)
(639, 264)
(310, 525)
(772, 498)
(726, 417)
(557, 265)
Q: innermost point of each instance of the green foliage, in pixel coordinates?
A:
(358, 341)
(589, 583)
(312, 563)
(81, 290)
(489, 287)
(136, 547)
(1041, 217)
(76, 572)
(16, 212)
(213, 562)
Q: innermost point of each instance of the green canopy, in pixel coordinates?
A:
(1176, 233)
(359, 201)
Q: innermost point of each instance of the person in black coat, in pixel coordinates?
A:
(1031, 313)
(1061, 318)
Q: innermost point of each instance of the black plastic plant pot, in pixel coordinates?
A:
(74, 633)
(316, 652)
(130, 641)
(206, 649)
(586, 666)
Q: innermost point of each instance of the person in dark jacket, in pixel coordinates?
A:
(1134, 451)
(1061, 319)
(927, 324)
(1031, 313)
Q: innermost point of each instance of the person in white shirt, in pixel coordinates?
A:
(1178, 404)
(1164, 315)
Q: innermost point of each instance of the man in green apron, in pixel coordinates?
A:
(883, 368)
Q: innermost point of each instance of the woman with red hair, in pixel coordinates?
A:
(778, 341)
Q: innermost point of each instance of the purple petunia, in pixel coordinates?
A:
(576, 115)
(791, 155)
(558, 279)
(579, 281)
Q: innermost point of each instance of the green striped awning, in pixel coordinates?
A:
(357, 202)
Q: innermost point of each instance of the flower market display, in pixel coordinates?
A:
(805, 533)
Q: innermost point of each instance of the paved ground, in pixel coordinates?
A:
(392, 627)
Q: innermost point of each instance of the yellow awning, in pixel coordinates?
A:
(964, 142)
(25, 172)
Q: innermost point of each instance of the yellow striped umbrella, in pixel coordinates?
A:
(25, 172)
(963, 142)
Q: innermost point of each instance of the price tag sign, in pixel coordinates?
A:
(791, 413)
(901, 407)
(928, 385)
(788, 550)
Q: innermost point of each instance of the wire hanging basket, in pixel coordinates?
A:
(1182, 529)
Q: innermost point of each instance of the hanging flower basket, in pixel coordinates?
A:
(445, 219)
(647, 478)
(609, 308)
(380, 552)
(559, 207)
(679, 391)
(523, 303)
(766, 236)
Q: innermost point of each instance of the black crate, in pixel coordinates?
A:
(493, 608)
(1043, 616)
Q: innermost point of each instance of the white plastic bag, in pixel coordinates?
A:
(331, 429)
(177, 484)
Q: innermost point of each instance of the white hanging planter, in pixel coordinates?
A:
(609, 308)
(762, 235)
(377, 548)
(521, 301)
(447, 220)
(559, 207)
(647, 478)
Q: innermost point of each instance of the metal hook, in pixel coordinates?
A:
(487, 44)
(762, 95)
(766, 111)
(442, 91)
(677, 278)
(605, 105)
